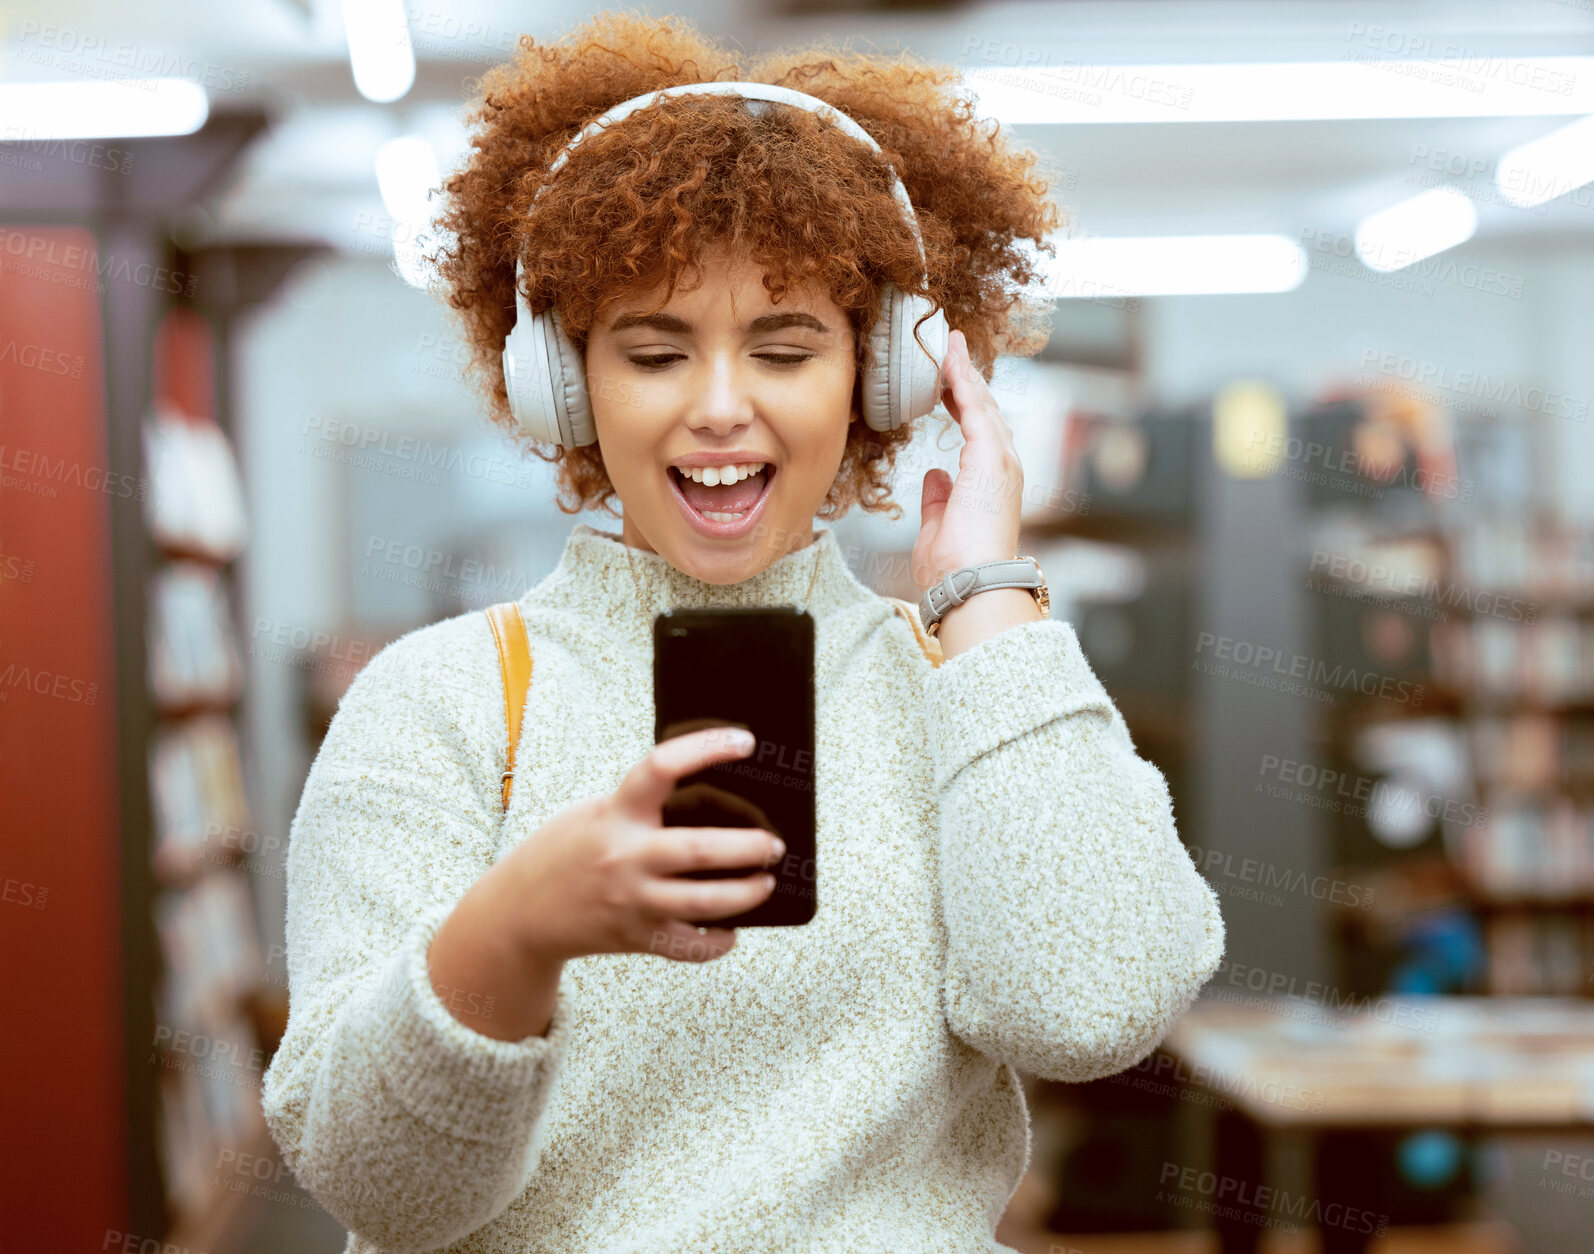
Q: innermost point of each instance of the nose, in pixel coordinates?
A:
(723, 398)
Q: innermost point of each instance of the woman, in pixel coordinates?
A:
(504, 1033)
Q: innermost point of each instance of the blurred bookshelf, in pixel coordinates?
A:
(211, 1006)
(1471, 820)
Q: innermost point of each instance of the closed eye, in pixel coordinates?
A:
(659, 361)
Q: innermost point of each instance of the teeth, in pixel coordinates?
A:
(715, 475)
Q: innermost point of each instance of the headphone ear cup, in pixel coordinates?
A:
(878, 410)
(919, 373)
(903, 382)
(526, 380)
(567, 384)
(546, 383)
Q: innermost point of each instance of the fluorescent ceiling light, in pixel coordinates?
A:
(1549, 166)
(406, 170)
(1102, 268)
(1416, 228)
(1464, 87)
(379, 48)
(113, 109)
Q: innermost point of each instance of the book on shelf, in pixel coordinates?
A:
(195, 500)
(1549, 661)
(212, 954)
(210, 1099)
(1549, 560)
(1538, 955)
(197, 789)
(1515, 752)
(210, 1062)
(185, 1141)
(194, 656)
(1533, 847)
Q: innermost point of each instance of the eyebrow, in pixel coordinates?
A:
(680, 326)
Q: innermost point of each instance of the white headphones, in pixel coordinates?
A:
(547, 384)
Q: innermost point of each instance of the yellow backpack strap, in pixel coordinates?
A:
(514, 659)
(930, 646)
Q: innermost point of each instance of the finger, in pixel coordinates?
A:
(951, 368)
(971, 400)
(956, 367)
(957, 360)
(647, 785)
(676, 849)
(705, 805)
(934, 495)
(965, 370)
(684, 942)
(695, 900)
(681, 726)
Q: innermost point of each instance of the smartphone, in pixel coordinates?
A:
(749, 667)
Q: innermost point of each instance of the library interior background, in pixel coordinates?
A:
(1307, 466)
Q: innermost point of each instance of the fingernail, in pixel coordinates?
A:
(780, 846)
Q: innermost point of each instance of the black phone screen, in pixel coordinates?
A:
(749, 667)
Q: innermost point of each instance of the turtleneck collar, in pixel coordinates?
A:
(595, 575)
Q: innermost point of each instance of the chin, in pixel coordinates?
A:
(720, 565)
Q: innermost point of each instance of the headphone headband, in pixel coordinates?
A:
(765, 93)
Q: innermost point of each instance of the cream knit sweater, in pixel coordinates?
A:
(1001, 886)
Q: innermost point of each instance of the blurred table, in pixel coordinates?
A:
(1281, 1071)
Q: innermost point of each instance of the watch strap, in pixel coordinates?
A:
(966, 581)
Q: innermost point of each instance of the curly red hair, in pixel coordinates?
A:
(639, 202)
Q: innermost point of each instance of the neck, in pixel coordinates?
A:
(609, 581)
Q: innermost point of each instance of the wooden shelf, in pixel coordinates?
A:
(176, 869)
(1110, 529)
(177, 711)
(187, 553)
(1576, 605)
(1489, 900)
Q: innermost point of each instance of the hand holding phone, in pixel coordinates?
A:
(607, 875)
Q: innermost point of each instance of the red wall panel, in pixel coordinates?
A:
(61, 1051)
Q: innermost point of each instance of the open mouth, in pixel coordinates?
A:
(722, 509)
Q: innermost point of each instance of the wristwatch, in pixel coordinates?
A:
(966, 581)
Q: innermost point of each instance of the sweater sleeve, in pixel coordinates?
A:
(1078, 927)
(410, 1128)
